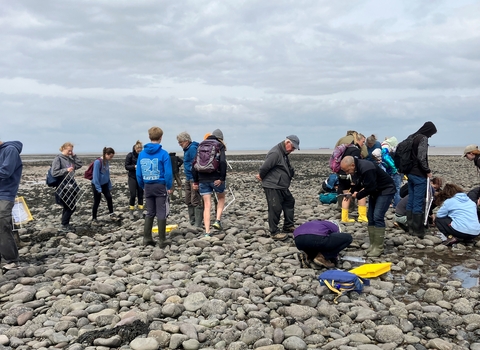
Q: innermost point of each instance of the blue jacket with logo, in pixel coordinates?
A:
(154, 166)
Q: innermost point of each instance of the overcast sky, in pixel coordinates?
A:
(101, 72)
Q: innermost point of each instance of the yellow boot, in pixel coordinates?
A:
(345, 216)
(362, 213)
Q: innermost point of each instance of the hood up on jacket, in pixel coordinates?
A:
(428, 129)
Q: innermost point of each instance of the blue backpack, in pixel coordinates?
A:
(340, 282)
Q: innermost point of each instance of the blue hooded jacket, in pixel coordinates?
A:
(189, 155)
(154, 166)
(463, 212)
(10, 169)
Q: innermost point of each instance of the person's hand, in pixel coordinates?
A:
(354, 194)
(170, 191)
(195, 187)
(217, 183)
(70, 169)
(430, 175)
(258, 177)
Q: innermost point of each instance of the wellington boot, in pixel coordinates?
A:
(191, 215)
(345, 216)
(147, 231)
(371, 234)
(199, 217)
(162, 239)
(409, 219)
(131, 207)
(379, 237)
(362, 213)
(418, 229)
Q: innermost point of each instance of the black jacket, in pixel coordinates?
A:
(276, 171)
(420, 150)
(371, 180)
(131, 162)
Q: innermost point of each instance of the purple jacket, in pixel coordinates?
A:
(316, 227)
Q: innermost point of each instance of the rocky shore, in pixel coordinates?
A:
(99, 288)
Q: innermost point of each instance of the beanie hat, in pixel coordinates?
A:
(218, 134)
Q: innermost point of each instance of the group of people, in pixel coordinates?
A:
(376, 176)
(367, 170)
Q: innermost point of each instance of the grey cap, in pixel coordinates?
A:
(218, 134)
(295, 141)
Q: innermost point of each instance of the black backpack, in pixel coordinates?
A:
(403, 157)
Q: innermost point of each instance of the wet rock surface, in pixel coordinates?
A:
(100, 288)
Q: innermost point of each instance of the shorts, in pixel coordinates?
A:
(208, 188)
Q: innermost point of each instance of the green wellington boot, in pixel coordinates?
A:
(147, 231)
(379, 237)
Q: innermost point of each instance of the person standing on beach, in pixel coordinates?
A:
(193, 200)
(344, 182)
(154, 175)
(276, 174)
(64, 165)
(10, 174)
(135, 190)
(417, 178)
(176, 164)
(370, 180)
(101, 183)
(214, 181)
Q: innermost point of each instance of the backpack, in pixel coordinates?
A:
(328, 198)
(329, 184)
(403, 157)
(207, 159)
(89, 172)
(51, 180)
(337, 156)
(341, 282)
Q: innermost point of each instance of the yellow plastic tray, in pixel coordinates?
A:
(169, 228)
(371, 270)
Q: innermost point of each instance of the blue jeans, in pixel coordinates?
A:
(417, 190)
(397, 179)
(377, 207)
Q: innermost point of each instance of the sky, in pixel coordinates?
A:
(101, 72)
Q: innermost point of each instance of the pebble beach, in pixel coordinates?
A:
(100, 288)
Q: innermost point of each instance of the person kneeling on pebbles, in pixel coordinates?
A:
(320, 241)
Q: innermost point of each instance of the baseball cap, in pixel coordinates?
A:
(295, 141)
(469, 149)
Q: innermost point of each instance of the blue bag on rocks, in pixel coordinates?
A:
(340, 282)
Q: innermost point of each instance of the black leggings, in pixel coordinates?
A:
(135, 190)
(97, 197)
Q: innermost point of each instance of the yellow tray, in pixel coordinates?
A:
(371, 270)
(169, 228)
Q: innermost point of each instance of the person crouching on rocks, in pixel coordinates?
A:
(370, 180)
(320, 241)
(457, 217)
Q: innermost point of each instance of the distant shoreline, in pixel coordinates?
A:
(434, 151)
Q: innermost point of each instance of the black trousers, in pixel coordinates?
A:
(445, 227)
(66, 213)
(135, 191)
(279, 201)
(97, 197)
(329, 245)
